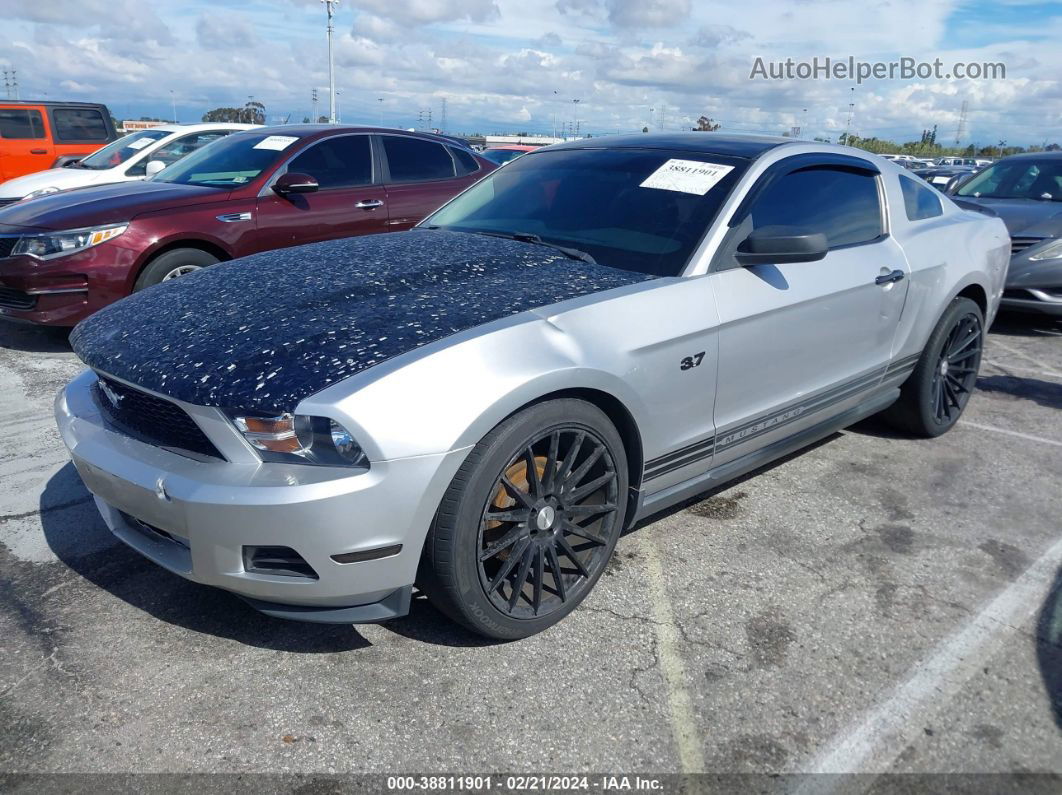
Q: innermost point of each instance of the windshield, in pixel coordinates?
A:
(1017, 179)
(117, 152)
(229, 162)
(636, 209)
(501, 156)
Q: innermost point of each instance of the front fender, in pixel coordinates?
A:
(449, 395)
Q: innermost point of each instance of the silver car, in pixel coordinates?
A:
(480, 406)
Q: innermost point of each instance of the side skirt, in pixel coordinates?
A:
(649, 504)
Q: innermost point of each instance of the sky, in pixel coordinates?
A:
(518, 65)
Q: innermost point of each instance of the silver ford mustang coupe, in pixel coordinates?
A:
(480, 406)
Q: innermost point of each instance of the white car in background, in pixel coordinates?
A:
(135, 156)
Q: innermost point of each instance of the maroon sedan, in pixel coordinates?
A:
(65, 255)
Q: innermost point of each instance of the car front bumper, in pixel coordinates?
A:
(198, 518)
(65, 290)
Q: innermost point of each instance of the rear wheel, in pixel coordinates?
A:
(529, 522)
(173, 264)
(934, 397)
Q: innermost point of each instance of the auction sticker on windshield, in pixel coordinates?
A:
(140, 143)
(687, 176)
(277, 142)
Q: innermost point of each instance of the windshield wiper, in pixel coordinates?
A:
(528, 237)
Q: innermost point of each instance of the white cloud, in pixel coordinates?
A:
(508, 63)
(422, 12)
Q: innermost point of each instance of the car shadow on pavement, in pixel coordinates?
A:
(1045, 393)
(34, 339)
(111, 565)
(120, 571)
(709, 494)
(1049, 647)
(1011, 324)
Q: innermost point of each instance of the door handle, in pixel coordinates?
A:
(369, 204)
(888, 278)
(38, 151)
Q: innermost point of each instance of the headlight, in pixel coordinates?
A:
(1050, 251)
(41, 192)
(58, 244)
(301, 439)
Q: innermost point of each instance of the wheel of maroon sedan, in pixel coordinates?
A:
(529, 522)
(173, 264)
(935, 395)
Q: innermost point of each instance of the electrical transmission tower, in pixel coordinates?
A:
(313, 99)
(960, 133)
(11, 83)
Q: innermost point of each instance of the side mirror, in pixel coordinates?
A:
(775, 245)
(153, 167)
(295, 183)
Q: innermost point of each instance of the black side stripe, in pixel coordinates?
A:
(659, 470)
(690, 454)
(906, 364)
(681, 452)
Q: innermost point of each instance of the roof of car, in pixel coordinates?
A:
(302, 130)
(1032, 155)
(749, 146)
(51, 102)
(198, 126)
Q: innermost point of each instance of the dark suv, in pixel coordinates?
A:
(65, 255)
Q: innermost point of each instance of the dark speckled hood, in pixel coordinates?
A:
(266, 331)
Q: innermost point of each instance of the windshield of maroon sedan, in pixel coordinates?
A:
(229, 162)
(640, 210)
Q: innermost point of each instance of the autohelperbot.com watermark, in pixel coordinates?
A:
(853, 69)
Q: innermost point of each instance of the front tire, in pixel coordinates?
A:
(529, 521)
(173, 264)
(935, 395)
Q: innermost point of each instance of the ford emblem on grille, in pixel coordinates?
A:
(112, 396)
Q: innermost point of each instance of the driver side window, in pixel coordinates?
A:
(842, 204)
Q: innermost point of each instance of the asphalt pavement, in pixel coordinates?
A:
(875, 603)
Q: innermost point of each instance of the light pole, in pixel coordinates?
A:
(380, 100)
(804, 127)
(173, 101)
(848, 126)
(331, 65)
(575, 112)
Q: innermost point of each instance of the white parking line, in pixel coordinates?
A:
(1008, 369)
(995, 343)
(1018, 434)
(872, 744)
(680, 706)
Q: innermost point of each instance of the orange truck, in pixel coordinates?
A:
(39, 135)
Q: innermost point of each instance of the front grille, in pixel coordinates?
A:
(152, 420)
(16, 299)
(7, 244)
(1019, 244)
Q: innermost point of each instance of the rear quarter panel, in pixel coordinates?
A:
(944, 255)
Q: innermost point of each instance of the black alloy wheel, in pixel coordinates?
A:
(529, 521)
(935, 394)
(956, 370)
(545, 532)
